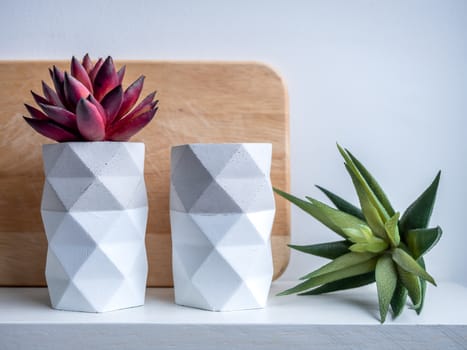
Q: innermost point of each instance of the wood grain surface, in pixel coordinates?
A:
(199, 102)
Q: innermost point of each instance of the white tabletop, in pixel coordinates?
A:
(344, 320)
(357, 307)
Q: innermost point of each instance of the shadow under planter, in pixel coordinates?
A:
(221, 210)
(94, 209)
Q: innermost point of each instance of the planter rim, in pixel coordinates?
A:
(220, 144)
(91, 143)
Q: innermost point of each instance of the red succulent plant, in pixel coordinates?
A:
(89, 104)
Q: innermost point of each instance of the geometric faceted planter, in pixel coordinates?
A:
(94, 209)
(221, 211)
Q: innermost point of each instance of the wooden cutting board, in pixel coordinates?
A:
(199, 102)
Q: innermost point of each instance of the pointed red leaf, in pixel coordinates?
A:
(91, 124)
(80, 73)
(124, 129)
(106, 79)
(95, 69)
(99, 107)
(60, 116)
(74, 90)
(112, 103)
(58, 79)
(142, 107)
(131, 96)
(39, 99)
(35, 113)
(51, 130)
(121, 74)
(51, 95)
(87, 63)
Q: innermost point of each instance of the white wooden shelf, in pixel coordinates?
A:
(343, 320)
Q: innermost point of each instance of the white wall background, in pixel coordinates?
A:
(387, 79)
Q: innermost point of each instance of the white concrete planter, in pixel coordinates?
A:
(94, 209)
(221, 211)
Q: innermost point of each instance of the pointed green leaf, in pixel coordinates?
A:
(420, 241)
(359, 248)
(418, 308)
(422, 282)
(386, 281)
(365, 267)
(377, 245)
(399, 299)
(342, 204)
(419, 212)
(329, 250)
(412, 283)
(392, 230)
(367, 233)
(343, 284)
(334, 219)
(342, 262)
(373, 184)
(360, 235)
(369, 211)
(369, 192)
(406, 262)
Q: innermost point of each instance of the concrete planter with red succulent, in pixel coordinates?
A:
(94, 204)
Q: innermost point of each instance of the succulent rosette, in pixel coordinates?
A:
(378, 244)
(89, 104)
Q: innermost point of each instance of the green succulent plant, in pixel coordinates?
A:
(378, 244)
